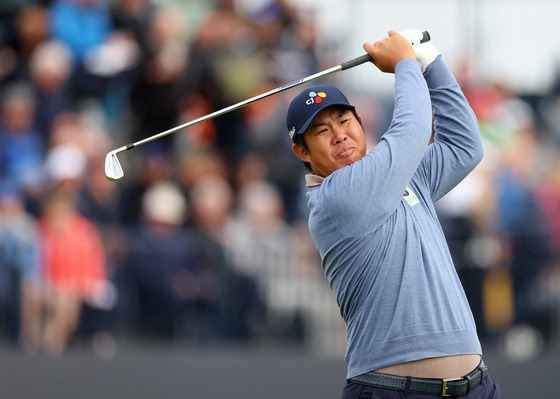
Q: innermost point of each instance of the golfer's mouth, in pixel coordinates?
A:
(346, 152)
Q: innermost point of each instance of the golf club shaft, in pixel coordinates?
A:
(237, 106)
(113, 168)
(342, 67)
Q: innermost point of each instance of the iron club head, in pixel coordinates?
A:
(113, 169)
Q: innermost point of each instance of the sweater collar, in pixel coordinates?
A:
(312, 180)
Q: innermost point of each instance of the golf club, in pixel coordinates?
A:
(113, 168)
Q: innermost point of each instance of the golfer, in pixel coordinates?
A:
(410, 330)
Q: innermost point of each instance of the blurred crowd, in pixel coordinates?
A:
(205, 238)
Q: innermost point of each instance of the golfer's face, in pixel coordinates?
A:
(335, 139)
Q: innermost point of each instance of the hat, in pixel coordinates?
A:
(66, 161)
(164, 202)
(307, 104)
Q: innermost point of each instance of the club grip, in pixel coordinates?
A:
(366, 57)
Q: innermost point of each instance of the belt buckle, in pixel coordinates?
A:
(444, 385)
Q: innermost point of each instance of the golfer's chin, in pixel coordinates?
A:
(349, 159)
(342, 163)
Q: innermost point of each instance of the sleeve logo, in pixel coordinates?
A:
(410, 197)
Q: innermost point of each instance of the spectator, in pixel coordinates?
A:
(230, 297)
(100, 51)
(74, 265)
(151, 168)
(81, 24)
(19, 267)
(528, 244)
(264, 121)
(133, 17)
(50, 70)
(21, 147)
(156, 91)
(226, 68)
(548, 197)
(30, 29)
(259, 242)
(160, 264)
(8, 13)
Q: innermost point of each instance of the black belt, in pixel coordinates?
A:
(430, 386)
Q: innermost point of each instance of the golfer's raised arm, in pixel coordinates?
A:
(457, 147)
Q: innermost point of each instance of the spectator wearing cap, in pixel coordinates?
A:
(159, 263)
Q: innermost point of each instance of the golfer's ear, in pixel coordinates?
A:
(300, 152)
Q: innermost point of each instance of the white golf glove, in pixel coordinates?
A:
(426, 53)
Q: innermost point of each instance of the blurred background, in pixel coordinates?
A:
(195, 275)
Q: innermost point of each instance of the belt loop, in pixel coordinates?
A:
(407, 386)
(469, 381)
(482, 368)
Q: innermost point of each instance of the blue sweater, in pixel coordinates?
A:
(384, 252)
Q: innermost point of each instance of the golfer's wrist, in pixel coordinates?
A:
(406, 64)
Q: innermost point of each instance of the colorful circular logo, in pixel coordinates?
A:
(316, 98)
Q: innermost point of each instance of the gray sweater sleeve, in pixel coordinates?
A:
(457, 146)
(381, 177)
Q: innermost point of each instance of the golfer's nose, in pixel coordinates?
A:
(339, 135)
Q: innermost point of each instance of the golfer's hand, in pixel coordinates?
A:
(388, 52)
(426, 53)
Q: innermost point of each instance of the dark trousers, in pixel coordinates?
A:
(489, 389)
